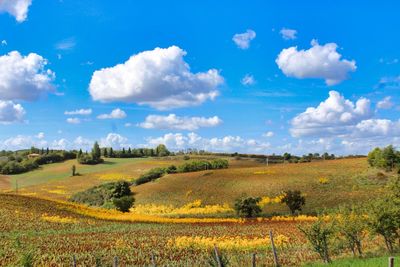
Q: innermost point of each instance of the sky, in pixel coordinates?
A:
(257, 77)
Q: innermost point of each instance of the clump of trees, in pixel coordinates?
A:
(348, 226)
(192, 166)
(294, 200)
(160, 151)
(387, 158)
(90, 159)
(248, 207)
(116, 195)
(27, 160)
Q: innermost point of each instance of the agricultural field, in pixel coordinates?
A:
(179, 217)
(53, 232)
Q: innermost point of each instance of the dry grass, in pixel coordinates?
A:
(224, 186)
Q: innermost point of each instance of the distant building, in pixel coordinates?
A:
(33, 155)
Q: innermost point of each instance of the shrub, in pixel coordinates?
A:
(121, 189)
(89, 160)
(350, 223)
(294, 200)
(319, 234)
(124, 203)
(247, 207)
(171, 169)
(150, 176)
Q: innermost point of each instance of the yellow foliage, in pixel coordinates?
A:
(228, 243)
(268, 200)
(192, 208)
(57, 191)
(300, 218)
(111, 176)
(323, 180)
(58, 219)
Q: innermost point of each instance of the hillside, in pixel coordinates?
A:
(343, 180)
(325, 183)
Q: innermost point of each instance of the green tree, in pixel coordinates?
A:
(247, 207)
(96, 152)
(73, 169)
(79, 154)
(294, 200)
(350, 223)
(319, 234)
(124, 203)
(162, 151)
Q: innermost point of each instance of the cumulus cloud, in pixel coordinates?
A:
(114, 140)
(81, 111)
(248, 80)
(24, 77)
(385, 103)
(333, 116)
(3, 42)
(73, 120)
(159, 78)
(179, 141)
(179, 123)
(115, 114)
(11, 112)
(242, 40)
(288, 34)
(320, 62)
(40, 135)
(16, 8)
(268, 134)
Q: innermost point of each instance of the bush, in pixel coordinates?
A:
(294, 200)
(319, 234)
(150, 176)
(124, 203)
(121, 189)
(89, 160)
(248, 207)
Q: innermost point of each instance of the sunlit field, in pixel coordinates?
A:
(53, 232)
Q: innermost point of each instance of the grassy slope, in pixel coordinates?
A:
(55, 181)
(349, 180)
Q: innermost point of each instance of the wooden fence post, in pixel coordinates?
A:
(217, 256)
(73, 261)
(271, 236)
(391, 261)
(115, 264)
(153, 260)
(253, 260)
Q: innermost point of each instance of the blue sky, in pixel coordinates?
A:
(247, 76)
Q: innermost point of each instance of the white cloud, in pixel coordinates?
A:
(385, 103)
(17, 8)
(24, 77)
(11, 112)
(179, 141)
(377, 127)
(242, 40)
(114, 140)
(320, 62)
(128, 124)
(66, 44)
(288, 34)
(40, 135)
(268, 134)
(79, 112)
(73, 120)
(3, 42)
(333, 116)
(159, 78)
(115, 114)
(248, 80)
(83, 143)
(179, 123)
